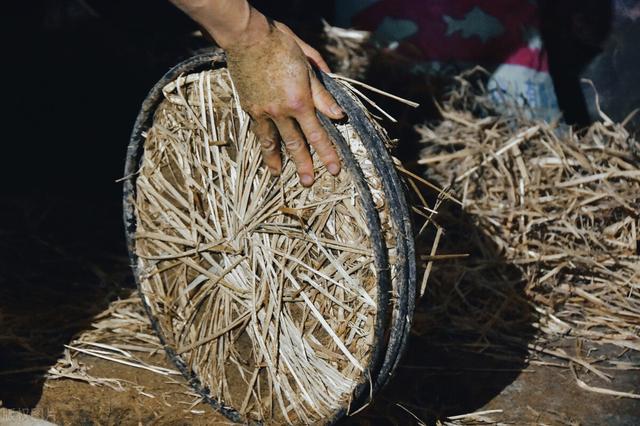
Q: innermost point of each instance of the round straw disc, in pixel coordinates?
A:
(270, 297)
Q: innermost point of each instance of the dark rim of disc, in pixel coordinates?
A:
(389, 339)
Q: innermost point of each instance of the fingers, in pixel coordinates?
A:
(296, 147)
(296, 124)
(287, 113)
(318, 138)
(323, 100)
(267, 134)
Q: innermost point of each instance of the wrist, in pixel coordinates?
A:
(246, 28)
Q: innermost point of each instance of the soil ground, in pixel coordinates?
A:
(54, 279)
(537, 395)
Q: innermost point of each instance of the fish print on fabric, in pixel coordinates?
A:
(501, 35)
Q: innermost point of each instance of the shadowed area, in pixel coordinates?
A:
(61, 265)
(469, 336)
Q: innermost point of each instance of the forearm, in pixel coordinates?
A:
(227, 21)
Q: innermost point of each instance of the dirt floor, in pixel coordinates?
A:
(76, 403)
(54, 280)
(535, 395)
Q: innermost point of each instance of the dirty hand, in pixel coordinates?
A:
(280, 91)
(270, 67)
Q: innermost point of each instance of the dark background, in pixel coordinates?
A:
(76, 72)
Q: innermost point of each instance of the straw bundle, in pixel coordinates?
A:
(348, 50)
(562, 207)
(268, 294)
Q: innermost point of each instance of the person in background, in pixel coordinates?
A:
(534, 50)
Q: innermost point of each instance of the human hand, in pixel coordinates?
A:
(270, 68)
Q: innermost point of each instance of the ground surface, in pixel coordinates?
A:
(537, 395)
(73, 403)
(53, 283)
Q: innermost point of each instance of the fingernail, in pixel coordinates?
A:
(333, 168)
(336, 110)
(306, 180)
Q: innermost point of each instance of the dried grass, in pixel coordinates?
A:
(348, 50)
(267, 290)
(116, 335)
(549, 222)
(122, 334)
(562, 209)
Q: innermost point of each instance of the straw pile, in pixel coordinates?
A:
(120, 334)
(562, 210)
(348, 50)
(266, 290)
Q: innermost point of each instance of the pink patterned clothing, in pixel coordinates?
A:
(502, 35)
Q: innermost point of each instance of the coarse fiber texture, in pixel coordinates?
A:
(267, 291)
(561, 206)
